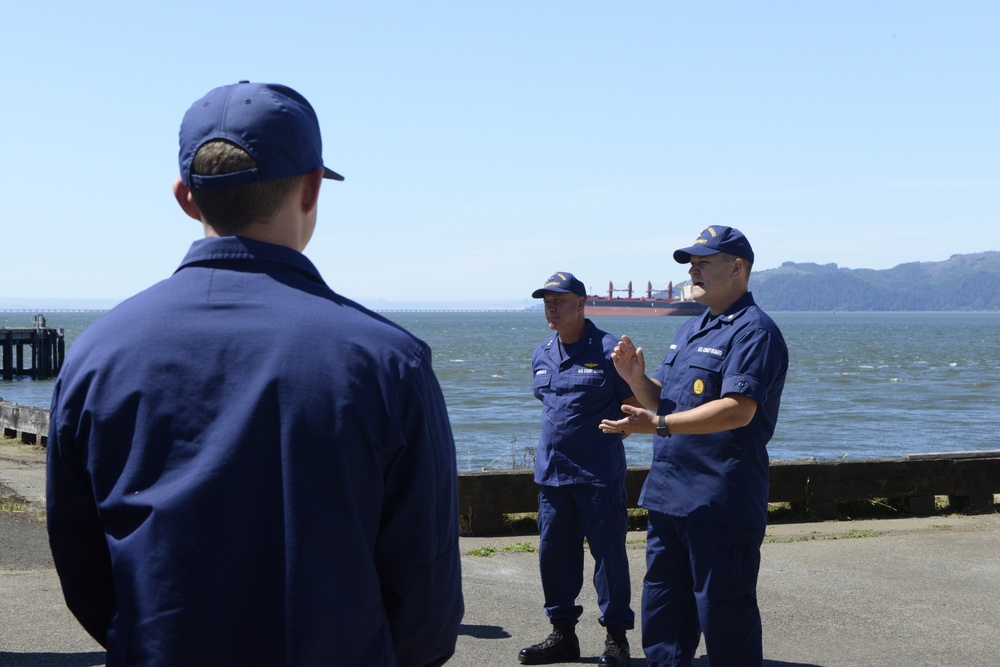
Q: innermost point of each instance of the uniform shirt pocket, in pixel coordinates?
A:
(664, 372)
(540, 384)
(702, 380)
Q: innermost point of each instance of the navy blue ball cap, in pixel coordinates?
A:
(274, 124)
(717, 239)
(561, 281)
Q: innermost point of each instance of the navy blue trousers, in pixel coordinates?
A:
(701, 579)
(567, 515)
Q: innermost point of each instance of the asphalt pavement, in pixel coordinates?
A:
(904, 592)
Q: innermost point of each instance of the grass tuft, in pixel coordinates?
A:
(517, 547)
(14, 504)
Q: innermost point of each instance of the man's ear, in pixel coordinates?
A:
(182, 194)
(310, 190)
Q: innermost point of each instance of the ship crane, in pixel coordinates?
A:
(612, 290)
(649, 289)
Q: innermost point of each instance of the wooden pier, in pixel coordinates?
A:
(35, 352)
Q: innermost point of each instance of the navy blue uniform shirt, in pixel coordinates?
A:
(578, 387)
(719, 478)
(246, 468)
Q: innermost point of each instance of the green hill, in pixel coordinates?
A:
(962, 282)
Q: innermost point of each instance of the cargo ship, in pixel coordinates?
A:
(648, 306)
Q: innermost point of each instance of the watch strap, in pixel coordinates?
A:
(661, 426)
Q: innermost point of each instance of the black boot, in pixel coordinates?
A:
(560, 646)
(616, 650)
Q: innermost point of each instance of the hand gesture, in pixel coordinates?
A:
(628, 360)
(636, 420)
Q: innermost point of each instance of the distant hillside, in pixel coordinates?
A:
(962, 282)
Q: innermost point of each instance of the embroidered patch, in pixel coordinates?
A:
(699, 386)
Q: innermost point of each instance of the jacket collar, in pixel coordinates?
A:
(730, 315)
(238, 248)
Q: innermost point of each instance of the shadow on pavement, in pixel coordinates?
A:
(483, 631)
(703, 662)
(699, 662)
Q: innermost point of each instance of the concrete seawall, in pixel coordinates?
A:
(27, 423)
(915, 484)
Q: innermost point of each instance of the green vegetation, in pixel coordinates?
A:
(853, 533)
(518, 547)
(525, 523)
(14, 503)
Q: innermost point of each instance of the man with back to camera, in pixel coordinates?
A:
(244, 467)
(713, 405)
(581, 476)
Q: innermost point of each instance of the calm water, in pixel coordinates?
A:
(860, 385)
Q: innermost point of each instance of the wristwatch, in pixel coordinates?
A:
(661, 427)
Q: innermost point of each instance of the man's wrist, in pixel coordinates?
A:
(662, 429)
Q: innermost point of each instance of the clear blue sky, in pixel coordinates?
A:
(486, 145)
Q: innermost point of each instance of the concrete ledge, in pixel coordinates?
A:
(968, 481)
(25, 422)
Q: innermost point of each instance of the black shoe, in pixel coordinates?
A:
(560, 646)
(615, 650)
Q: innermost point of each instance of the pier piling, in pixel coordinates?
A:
(47, 348)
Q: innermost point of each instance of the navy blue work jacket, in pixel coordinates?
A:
(719, 478)
(576, 394)
(246, 468)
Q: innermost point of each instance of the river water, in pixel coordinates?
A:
(860, 385)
